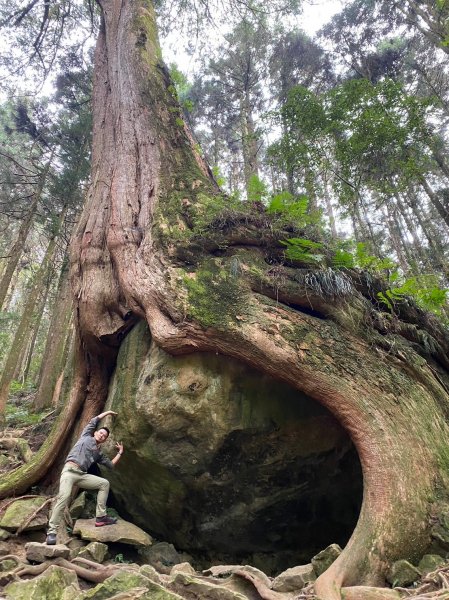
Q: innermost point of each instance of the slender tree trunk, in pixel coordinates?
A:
(27, 316)
(25, 227)
(433, 197)
(395, 239)
(249, 141)
(39, 312)
(432, 239)
(329, 208)
(54, 356)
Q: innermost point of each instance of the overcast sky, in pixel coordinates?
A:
(314, 15)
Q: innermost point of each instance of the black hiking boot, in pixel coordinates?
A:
(51, 539)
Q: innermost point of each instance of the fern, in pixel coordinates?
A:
(423, 289)
(303, 250)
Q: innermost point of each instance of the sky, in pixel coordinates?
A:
(315, 14)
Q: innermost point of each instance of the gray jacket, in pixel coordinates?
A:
(85, 452)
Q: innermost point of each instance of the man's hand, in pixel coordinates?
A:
(116, 458)
(105, 414)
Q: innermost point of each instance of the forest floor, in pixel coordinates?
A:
(25, 432)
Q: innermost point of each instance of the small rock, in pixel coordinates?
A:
(75, 545)
(39, 553)
(323, 560)
(51, 585)
(429, 563)
(402, 573)
(4, 535)
(122, 531)
(77, 506)
(183, 568)
(94, 551)
(160, 555)
(201, 588)
(7, 564)
(294, 579)
(151, 573)
(4, 549)
(20, 511)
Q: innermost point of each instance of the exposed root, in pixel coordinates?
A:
(262, 589)
(10, 501)
(32, 516)
(95, 574)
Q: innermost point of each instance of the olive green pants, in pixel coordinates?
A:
(71, 476)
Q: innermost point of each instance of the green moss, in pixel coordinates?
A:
(145, 28)
(214, 295)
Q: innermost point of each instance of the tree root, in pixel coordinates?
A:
(262, 589)
(10, 501)
(95, 574)
(22, 478)
(32, 516)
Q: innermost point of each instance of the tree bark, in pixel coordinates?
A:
(25, 227)
(433, 197)
(26, 318)
(140, 249)
(53, 361)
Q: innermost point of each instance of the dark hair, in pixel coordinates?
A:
(105, 428)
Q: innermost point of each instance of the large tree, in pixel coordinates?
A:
(157, 241)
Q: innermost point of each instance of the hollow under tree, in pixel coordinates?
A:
(158, 241)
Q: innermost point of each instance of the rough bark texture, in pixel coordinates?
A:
(153, 243)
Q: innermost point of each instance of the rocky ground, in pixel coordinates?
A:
(123, 562)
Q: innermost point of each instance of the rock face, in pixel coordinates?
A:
(227, 463)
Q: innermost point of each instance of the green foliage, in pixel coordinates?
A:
(119, 558)
(19, 415)
(304, 251)
(257, 190)
(352, 255)
(424, 289)
(181, 89)
(218, 176)
(294, 209)
(343, 259)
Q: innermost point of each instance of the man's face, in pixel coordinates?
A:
(100, 436)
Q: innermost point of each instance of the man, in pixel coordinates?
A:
(83, 455)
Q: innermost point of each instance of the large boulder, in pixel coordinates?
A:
(19, 512)
(225, 462)
(56, 583)
(122, 532)
(129, 581)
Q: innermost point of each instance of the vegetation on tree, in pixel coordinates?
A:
(314, 248)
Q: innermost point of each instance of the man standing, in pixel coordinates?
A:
(81, 457)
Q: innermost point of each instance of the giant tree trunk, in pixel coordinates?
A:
(156, 242)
